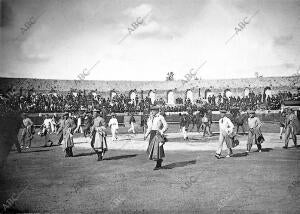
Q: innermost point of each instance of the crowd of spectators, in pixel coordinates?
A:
(33, 102)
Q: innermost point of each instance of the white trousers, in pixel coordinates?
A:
(114, 133)
(131, 128)
(184, 132)
(221, 141)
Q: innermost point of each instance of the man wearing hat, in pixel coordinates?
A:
(254, 133)
(27, 132)
(67, 126)
(157, 126)
(98, 135)
(290, 125)
(114, 125)
(226, 128)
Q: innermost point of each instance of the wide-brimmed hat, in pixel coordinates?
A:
(66, 114)
(113, 114)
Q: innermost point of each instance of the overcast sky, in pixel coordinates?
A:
(177, 35)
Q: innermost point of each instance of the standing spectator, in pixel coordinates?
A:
(226, 128)
(254, 134)
(290, 128)
(114, 125)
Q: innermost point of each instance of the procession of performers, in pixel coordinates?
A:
(156, 124)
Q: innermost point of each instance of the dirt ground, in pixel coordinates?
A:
(43, 180)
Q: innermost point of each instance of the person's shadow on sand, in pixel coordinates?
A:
(178, 164)
(84, 154)
(266, 149)
(120, 157)
(109, 158)
(241, 154)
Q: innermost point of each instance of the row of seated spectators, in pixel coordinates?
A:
(53, 102)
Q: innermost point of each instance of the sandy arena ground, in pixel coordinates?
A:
(191, 181)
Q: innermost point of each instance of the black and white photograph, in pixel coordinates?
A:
(150, 106)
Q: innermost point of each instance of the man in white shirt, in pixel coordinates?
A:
(46, 130)
(114, 125)
(157, 126)
(226, 128)
(79, 118)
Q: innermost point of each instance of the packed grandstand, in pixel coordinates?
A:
(33, 96)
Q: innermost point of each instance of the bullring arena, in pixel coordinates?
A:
(191, 180)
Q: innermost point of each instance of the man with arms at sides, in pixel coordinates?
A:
(98, 135)
(114, 125)
(46, 130)
(198, 121)
(131, 122)
(59, 131)
(209, 117)
(290, 125)
(88, 122)
(27, 132)
(206, 125)
(282, 120)
(183, 125)
(68, 126)
(156, 128)
(226, 128)
(80, 120)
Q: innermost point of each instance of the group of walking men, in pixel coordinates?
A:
(156, 128)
